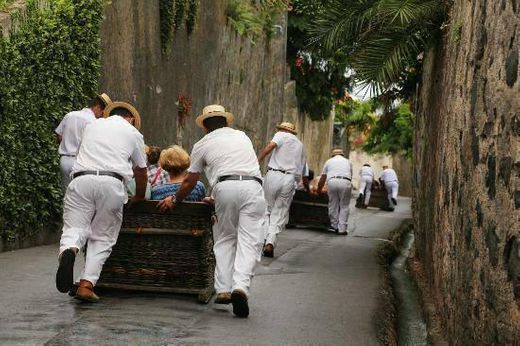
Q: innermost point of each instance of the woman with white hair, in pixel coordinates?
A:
(176, 161)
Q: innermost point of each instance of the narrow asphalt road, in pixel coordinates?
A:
(319, 289)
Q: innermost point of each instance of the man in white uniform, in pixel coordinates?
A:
(111, 152)
(285, 169)
(70, 130)
(229, 161)
(337, 172)
(389, 179)
(366, 177)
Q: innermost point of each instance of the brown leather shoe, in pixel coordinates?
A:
(223, 298)
(268, 250)
(85, 292)
(240, 305)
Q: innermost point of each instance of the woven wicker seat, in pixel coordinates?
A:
(163, 252)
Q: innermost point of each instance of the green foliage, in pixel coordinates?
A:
(382, 38)
(50, 66)
(358, 115)
(172, 13)
(5, 3)
(254, 18)
(393, 132)
(319, 75)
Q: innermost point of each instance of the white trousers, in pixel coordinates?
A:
(365, 186)
(92, 215)
(392, 189)
(66, 163)
(238, 234)
(279, 191)
(339, 191)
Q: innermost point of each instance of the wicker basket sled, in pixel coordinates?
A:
(307, 210)
(378, 199)
(163, 252)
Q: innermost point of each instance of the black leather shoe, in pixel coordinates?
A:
(65, 273)
(240, 305)
(269, 250)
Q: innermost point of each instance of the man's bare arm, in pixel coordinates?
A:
(321, 183)
(266, 151)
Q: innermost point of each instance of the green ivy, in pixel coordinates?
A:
(5, 3)
(172, 14)
(50, 65)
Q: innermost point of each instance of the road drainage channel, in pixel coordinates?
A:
(411, 325)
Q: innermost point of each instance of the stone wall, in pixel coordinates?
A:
(467, 184)
(212, 65)
(316, 136)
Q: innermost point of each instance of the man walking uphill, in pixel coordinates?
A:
(337, 171)
(229, 161)
(285, 169)
(70, 130)
(93, 205)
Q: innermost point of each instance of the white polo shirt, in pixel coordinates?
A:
(388, 175)
(366, 171)
(111, 144)
(288, 155)
(337, 166)
(71, 130)
(224, 151)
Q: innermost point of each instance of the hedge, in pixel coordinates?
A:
(49, 66)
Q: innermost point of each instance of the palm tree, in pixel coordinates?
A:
(382, 38)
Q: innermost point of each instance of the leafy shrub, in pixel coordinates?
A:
(50, 66)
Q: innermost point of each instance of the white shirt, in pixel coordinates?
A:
(111, 144)
(224, 151)
(337, 166)
(388, 175)
(71, 130)
(288, 154)
(366, 171)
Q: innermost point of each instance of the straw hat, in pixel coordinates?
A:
(285, 125)
(337, 151)
(128, 107)
(105, 98)
(214, 111)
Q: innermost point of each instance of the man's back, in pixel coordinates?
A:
(338, 166)
(288, 154)
(71, 130)
(110, 145)
(388, 175)
(224, 151)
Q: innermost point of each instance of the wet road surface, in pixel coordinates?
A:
(319, 289)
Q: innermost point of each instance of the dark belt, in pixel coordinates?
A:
(67, 155)
(239, 177)
(278, 170)
(106, 173)
(340, 177)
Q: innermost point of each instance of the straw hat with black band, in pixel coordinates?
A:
(337, 151)
(128, 107)
(105, 99)
(287, 126)
(214, 111)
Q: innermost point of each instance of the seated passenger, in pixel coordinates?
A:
(176, 161)
(156, 175)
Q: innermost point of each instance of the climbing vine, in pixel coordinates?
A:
(172, 15)
(50, 66)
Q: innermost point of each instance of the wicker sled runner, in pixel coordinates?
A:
(170, 252)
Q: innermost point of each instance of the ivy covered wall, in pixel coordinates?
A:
(49, 66)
